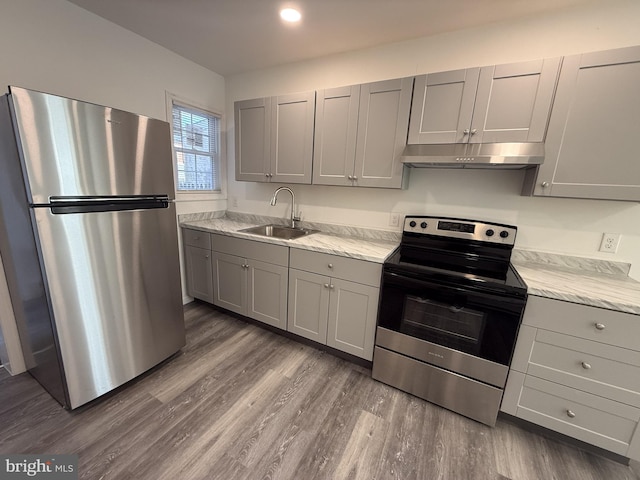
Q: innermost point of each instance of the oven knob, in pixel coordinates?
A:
(489, 233)
(412, 223)
(504, 234)
(423, 224)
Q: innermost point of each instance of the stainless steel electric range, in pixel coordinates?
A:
(450, 309)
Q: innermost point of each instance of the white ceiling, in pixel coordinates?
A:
(233, 36)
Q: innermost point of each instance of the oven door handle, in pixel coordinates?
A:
(455, 309)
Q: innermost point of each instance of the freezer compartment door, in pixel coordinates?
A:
(73, 148)
(113, 282)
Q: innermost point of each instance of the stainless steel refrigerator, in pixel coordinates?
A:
(88, 238)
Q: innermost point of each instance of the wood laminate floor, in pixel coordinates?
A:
(241, 402)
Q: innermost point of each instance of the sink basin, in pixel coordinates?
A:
(279, 231)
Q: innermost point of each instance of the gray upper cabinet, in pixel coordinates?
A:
(360, 132)
(383, 121)
(495, 104)
(591, 145)
(443, 106)
(274, 138)
(253, 139)
(335, 135)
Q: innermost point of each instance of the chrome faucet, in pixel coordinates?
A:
(274, 199)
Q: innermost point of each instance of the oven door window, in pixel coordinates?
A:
(449, 325)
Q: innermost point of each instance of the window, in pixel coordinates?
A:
(196, 143)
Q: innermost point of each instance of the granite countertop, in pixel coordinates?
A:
(592, 282)
(362, 244)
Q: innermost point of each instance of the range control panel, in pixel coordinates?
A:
(461, 228)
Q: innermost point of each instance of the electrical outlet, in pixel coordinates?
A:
(394, 219)
(610, 242)
(234, 201)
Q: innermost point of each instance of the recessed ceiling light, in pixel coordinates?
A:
(290, 15)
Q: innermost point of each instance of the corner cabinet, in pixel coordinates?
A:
(591, 146)
(334, 301)
(576, 370)
(274, 138)
(360, 132)
(248, 286)
(501, 103)
(197, 257)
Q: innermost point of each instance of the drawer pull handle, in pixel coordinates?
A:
(571, 414)
(600, 326)
(586, 365)
(330, 265)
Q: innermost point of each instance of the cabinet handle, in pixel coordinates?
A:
(330, 265)
(354, 178)
(331, 286)
(586, 365)
(206, 256)
(474, 131)
(326, 285)
(544, 184)
(266, 175)
(571, 414)
(465, 131)
(350, 177)
(600, 326)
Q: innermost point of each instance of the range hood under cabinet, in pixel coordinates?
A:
(488, 117)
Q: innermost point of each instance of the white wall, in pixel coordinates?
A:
(548, 224)
(56, 47)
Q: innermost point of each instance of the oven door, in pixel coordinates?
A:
(469, 320)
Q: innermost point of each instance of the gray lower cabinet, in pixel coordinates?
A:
(360, 133)
(274, 138)
(576, 370)
(334, 301)
(197, 256)
(251, 287)
(591, 145)
(500, 103)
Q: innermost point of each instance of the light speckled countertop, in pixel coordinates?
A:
(592, 282)
(362, 244)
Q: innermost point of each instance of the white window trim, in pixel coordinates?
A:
(202, 196)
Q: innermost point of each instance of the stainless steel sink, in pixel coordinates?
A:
(279, 231)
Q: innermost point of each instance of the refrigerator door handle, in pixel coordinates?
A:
(66, 205)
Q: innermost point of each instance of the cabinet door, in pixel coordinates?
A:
(513, 102)
(292, 138)
(253, 141)
(383, 121)
(591, 145)
(336, 129)
(230, 281)
(353, 311)
(199, 273)
(308, 305)
(442, 107)
(267, 293)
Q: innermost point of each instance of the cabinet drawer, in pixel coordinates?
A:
(360, 271)
(591, 323)
(195, 238)
(265, 252)
(597, 368)
(587, 417)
